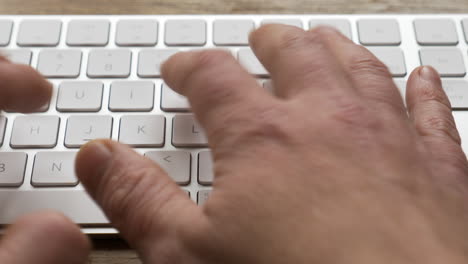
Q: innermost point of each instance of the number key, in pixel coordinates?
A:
(435, 32)
(39, 33)
(109, 63)
(59, 63)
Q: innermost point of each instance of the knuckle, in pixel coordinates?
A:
(428, 93)
(363, 63)
(267, 125)
(357, 117)
(123, 189)
(210, 59)
(296, 39)
(323, 32)
(439, 125)
(351, 113)
(130, 196)
(256, 36)
(263, 125)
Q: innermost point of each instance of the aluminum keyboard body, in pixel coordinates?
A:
(105, 71)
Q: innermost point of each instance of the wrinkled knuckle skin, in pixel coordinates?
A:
(428, 93)
(129, 192)
(443, 125)
(299, 40)
(356, 118)
(351, 113)
(323, 32)
(211, 58)
(265, 125)
(363, 63)
(292, 40)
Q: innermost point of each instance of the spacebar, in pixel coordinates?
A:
(76, 204)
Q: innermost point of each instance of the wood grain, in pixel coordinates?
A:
(229, 6)
(116, 251)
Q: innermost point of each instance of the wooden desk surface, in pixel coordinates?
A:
(115, 251)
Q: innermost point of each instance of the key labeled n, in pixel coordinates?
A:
(56, 166)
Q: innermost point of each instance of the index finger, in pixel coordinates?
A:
(22, 88)
(218, 88)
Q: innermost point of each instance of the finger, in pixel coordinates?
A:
(22, 89)
(429, 108)
(218, 89)
(44, 238)
(300, 62)
(369, 76)
(138, 197)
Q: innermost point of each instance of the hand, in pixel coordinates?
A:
(330, 170)
(41, 237)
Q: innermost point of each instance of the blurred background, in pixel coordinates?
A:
(229, 6)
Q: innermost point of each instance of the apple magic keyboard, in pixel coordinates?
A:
(107, 84)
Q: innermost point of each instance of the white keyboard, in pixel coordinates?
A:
(105, 70)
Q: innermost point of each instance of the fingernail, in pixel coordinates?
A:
(94, 157)
(428, 73)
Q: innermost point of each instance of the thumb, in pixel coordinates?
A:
(44, 238)
(138, 197)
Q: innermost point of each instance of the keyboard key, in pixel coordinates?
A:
(435, 32)
(172, 101)
(18, 56)
(186, 132)
(379, 32)
(12, 168)
(131, 96)
(457, 92)
(401, 85)
(465, 28)
(202, 196)
(39, 32)
(175, 163)
(59, 63)
(88, 33)
(448, 62)
(393, 58)
(54, 169)
(150, 61)
(289, 22)
(185, 32)
(79, 96)
(109, 63)
(341, 25)
(3, 122)
(232, 32)
(142, 130)
(35, 131)
(250, 62)
(6, 27)
(205, 168)
(82, 129)
(141, 32)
